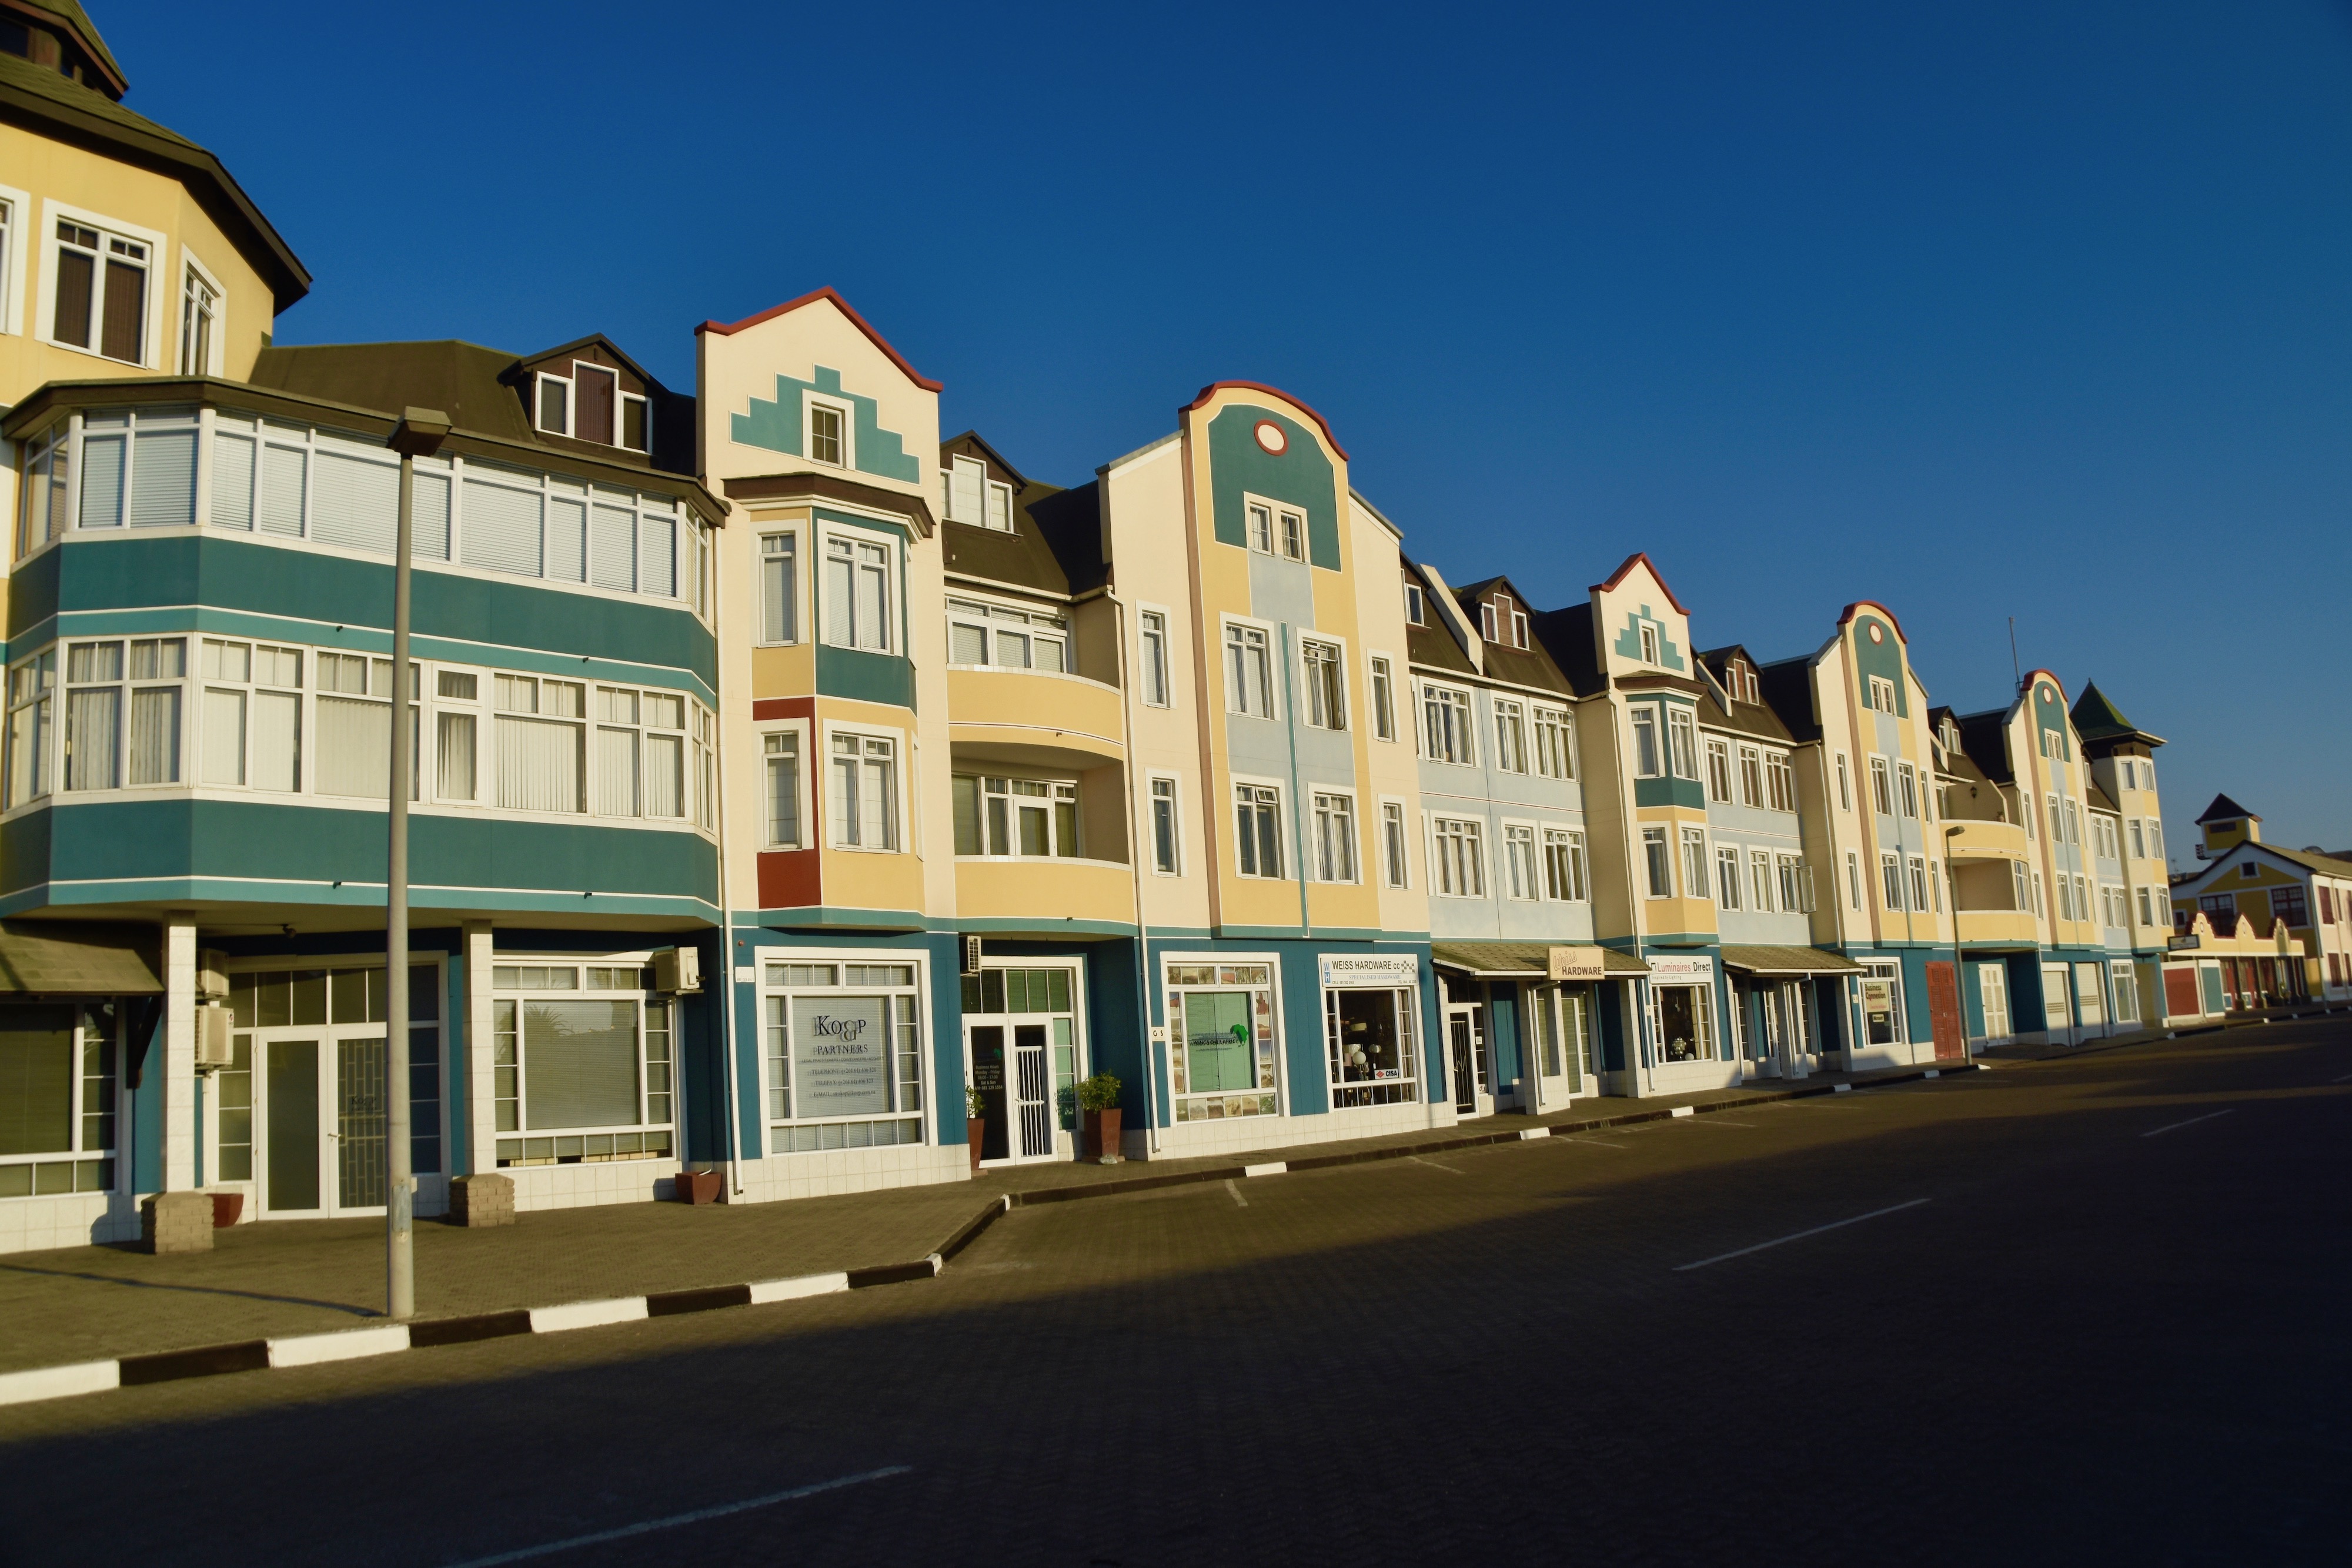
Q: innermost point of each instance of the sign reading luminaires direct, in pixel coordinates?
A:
(1371, 968)
(1682, 968)
(1576, 964)
(841, 1056)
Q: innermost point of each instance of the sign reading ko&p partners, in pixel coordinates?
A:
(841, 1056)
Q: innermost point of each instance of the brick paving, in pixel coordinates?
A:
(2090, 1345)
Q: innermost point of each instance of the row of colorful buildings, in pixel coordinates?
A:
(789, 773)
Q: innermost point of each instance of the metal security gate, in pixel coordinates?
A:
(362, 1114)
(1033, 1087)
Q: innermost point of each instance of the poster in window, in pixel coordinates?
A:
(841, 1056)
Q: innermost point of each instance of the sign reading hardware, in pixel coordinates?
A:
(841, 1056)
(1576, 964)
(1371, 969)
(1681, 969)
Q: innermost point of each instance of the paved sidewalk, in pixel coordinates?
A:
(300, 1277)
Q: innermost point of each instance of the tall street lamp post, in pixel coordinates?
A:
(418, 435)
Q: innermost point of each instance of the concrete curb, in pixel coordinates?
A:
(350, 1344)
(1120, 1188)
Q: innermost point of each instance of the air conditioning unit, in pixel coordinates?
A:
(215, 1047)
(972, 955)
(212, 974)
(678, 970)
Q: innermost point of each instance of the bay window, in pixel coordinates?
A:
(858, 597)
(780, 587)
(781, 759)
(1646, 758)
(32, 718)
(1683, 731)
(252, 715)
(540, 743)
(865, 789)
(97, 701)
(1657, 861)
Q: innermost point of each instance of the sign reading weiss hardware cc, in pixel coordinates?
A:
(1371, 969)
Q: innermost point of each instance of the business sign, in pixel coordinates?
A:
(1371, 968)
(2184, 944)
(841, 1056)
(1682, 969)
(1577, 964)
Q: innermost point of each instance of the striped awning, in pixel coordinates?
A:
(79, 958)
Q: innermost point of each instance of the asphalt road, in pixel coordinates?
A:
(2097, 1313)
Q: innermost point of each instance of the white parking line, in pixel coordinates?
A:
(2191, 1122)
(1799, 1235)
(2346, 1079)
(1432, 1165)
(1720, 1122)
(1232, 1188)
(675, 1519)
(1592, 1143)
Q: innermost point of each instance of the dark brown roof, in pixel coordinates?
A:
(1742, 716)
(55, 106)
(2224, 810)
(1788, 687)
(1567, 635)
(77, 22)
(1985, 737)
(1433, 645)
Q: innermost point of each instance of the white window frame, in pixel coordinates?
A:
(1718, 769)
(1728, 877)
(1175, 799)
(1697, 868)
(1562, 723)
(1058, 790)
(839, 959)
(1316, 794)
(1881, 787)
(841, 407)
(1650, 642)
(539, 402)
(1279, 805)
(1657, 835)
(1845, 784)
(902, 817)
(15, 258)
(797, 612)
(1519, 833)
(1510, 734)
(1470, 834)
(155, 331)
(1272, 963)
(1145, 634)
(1380, 687)
(1272, 650)
(893, 575)
(1396, 842)
(1459, 702)
(804, 787)
(1416, 612)
(1570, 842)
(516, 997)
(996, 618)
(1640, 716)
(1681, 742)
(1310, 693)
(216, 348)
(1882, 688)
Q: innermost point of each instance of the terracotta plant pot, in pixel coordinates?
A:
(227, 1208)
(975, 1132)
(698, 1187)
(1102, 1132)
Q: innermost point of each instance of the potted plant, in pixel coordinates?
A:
(975, 1122)
(1098, 1113)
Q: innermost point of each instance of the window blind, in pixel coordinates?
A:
(567, 539)
(93, 721)
(224, 742)
(617, 772)
(285, 473)
(164, 479)
(354, 747)
(502, 530)
(658, 541)
(359, 502)
(665, 775)
(35, 1080)
(539, 764)
(453, 775)
(430, 518)
(278, 741)
(232, 482)
(103, 458)
(613, 547)
(156, 736)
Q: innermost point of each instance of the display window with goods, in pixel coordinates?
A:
(1222, 1039)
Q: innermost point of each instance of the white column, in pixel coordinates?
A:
(178, 1066)
(480, 1131)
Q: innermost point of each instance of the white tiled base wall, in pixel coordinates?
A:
(586, 1186)
(68, 1219)
(826, 1171)
(1193, 1140)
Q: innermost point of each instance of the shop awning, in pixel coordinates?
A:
(53, 957)
(1789, 961)
(1519, 960)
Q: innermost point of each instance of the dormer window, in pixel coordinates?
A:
(101, 292)
(1498, 616)
(1486, 618)
(1755, 691)
(1649, 644)
(973, 497)
(1413, 608)
(1519, 628)
(589, 405)
(824, 442)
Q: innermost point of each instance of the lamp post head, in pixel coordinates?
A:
(419, 433)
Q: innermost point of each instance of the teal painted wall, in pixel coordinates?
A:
(1300, 475)
(266, 842)
(1629, 641)
(1882, 659)
(777, 426)
(2050, 713)
(168, 574)
(864, 676)
(1669, 791)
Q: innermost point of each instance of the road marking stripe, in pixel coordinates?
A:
(2191, 1122)
(1799, 1235)
(57, 1382)
(1235, 1188)
(1592, 1143)
(1721, 1121)
(586, 1314)
(1432, 1165)
(344, 1344)
(2346, 1079)
(675, 1519)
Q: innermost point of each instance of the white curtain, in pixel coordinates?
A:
(93, 720)
(454, 776)
(840, 622)
(156, 736)
(354, 747)
(539, 764)
(224, 736)
(665, 775)
(617, 772)
(278, 741)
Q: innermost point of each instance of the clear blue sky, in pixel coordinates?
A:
(1982, 310)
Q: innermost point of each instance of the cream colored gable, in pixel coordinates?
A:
(756, 383)
(1639, 602)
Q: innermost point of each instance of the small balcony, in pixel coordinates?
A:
(1044, 897)
(1035, 718)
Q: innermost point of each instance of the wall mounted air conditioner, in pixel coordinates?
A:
(215, 1045)
(678, 970)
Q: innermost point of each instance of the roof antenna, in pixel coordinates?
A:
(2014, 668)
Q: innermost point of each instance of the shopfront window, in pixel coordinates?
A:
(57, 1099)
(1368, 1042)
(1221, 1024)
(583, 1062)
(1685, 1019)
(844, 1043)
(1882, 1004)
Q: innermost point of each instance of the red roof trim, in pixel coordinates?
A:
(1215, 387)
(729, 328)
(1860, 604)
(1618, 576)
(2033, 675)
